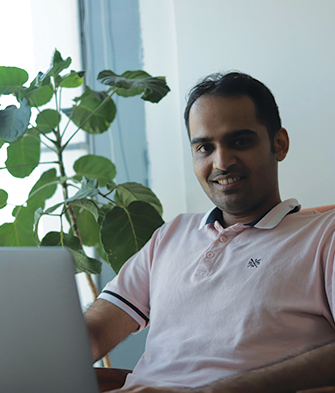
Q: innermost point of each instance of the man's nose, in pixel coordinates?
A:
(224, 158)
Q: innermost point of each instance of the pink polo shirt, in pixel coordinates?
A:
(223, 300)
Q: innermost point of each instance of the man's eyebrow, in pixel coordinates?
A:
(194, 141)
(229, 135)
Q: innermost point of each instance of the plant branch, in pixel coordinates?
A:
(41, 133)
(49, 147)
(73, 218)
(43, 143)
(66, 126)
(106, 197)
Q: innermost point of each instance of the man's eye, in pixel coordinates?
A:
(204, 149)
(243, 142)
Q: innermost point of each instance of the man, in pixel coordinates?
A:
(241, 299)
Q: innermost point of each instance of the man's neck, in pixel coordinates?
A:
(247, 217)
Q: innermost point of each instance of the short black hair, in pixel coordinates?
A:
(238, 84)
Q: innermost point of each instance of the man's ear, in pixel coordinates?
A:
(281, 144)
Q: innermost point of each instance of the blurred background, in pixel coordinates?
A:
(286, 44)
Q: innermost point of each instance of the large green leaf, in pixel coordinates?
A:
(132, 83)
(86, 116)
(44, 188)
(23, 156)
(124, 231)
(73, 79)
(3, 198)
(83, 263)
(95, 167)
(14, 121)
(47, 120)
(20, 232)
(12, 79)
(37, 95)
(88, 227)
(130, 192)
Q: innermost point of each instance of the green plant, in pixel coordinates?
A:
(115, 219)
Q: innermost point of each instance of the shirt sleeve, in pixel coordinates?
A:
(130, 289)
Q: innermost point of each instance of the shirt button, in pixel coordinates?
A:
(210, 255)
(223, 239)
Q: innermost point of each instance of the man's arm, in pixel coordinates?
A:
(107, 326)
(311, 369)
(315, 368)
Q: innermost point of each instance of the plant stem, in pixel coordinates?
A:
(67, 124)
(92, 285)
(41, 133)
(106, 197)
(72, 215)
(49, 147)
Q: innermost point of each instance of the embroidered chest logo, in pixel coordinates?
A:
(254, 262)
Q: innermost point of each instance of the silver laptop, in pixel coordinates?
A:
(44, 345)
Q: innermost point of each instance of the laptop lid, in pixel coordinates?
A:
(44, 346)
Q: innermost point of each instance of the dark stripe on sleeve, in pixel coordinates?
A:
(140, 313)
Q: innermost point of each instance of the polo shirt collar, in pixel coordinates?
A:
(268, 221)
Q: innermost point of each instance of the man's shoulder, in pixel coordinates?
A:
(313, 221)
(311, 215)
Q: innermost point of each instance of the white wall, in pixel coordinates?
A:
(286, 44)
(163, 122)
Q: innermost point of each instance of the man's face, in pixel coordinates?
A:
(232, 156)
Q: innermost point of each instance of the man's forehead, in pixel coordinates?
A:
(223, 101)
(212, 112)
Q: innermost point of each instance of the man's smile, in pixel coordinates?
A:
(229, 180)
